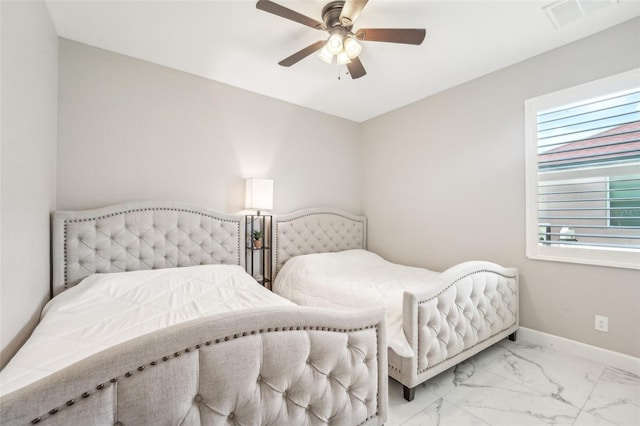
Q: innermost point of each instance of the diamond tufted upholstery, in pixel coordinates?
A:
(470, 310)
(269, 366)
(472, 306)
(317, 230)
(148, 235)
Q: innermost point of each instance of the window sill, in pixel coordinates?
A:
(614, 258)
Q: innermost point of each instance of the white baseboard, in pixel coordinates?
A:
(604, 356)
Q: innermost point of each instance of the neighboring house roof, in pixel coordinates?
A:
(620, 143)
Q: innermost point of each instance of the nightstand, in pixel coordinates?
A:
(258, 251)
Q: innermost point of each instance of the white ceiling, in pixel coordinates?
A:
(232, 42)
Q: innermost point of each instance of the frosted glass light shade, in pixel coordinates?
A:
(343, 58)
(334, 44)
(352, 47)
(325, 55)
(259, 194)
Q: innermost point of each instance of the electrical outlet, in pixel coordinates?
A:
(602, 323)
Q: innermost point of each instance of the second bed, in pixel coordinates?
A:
(434, 319)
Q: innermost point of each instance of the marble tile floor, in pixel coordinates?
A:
(519, 384)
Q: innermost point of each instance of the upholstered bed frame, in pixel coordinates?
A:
(474, 305)
(141, 235)
(316, 230)
(259, 366)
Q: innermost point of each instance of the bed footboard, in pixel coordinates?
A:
(253, 367)
(474, 305)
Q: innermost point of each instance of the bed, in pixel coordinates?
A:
(154, 321)
(435, 320)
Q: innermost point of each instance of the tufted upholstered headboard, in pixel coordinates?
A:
(141, 235)
(316, 230)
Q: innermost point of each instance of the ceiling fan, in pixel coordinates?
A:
(343, 43)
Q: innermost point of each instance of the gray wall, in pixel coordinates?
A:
(444, 183)
(27, 166)
(132, 130)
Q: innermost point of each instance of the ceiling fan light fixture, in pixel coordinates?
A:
(334, 44)
(352, 47)
(325, 55)
(343, 58)
(338, 17)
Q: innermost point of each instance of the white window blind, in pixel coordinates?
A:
(583, 173)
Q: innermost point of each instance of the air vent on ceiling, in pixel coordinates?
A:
(563, 12)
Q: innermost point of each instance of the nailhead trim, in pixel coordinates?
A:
(418, 371)
(67, 221)
(141, 368)
(377, 387)
(350, 219)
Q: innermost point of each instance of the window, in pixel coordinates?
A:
(583, 173)
(625, 201)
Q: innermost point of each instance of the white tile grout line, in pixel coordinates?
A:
(604, 356)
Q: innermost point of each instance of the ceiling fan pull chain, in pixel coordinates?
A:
(346, 72)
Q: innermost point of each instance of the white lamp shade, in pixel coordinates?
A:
(259, 194)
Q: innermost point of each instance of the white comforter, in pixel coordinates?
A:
(354, 279)
(107, 309)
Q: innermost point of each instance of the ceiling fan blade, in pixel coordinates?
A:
(276, 9)
(351, 10)
(356, 69)
(301, 54)
(392, 35)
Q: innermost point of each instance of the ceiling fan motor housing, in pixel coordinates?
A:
(331, 15)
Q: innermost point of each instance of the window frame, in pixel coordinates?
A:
(535, 249)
